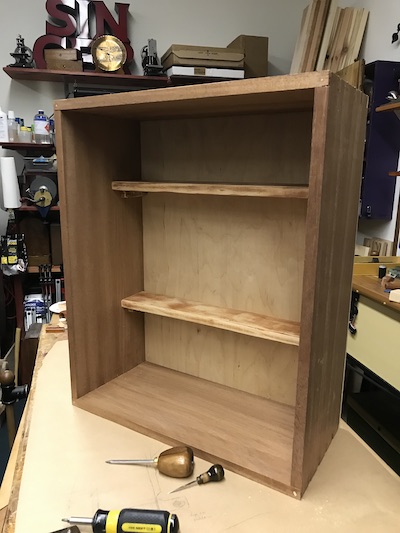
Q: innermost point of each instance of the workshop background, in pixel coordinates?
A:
(206, 23)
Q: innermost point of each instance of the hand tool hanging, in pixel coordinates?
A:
(43, 287)
(48, 276)
(175, 462)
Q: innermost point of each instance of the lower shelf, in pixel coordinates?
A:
(213, 419)
(254, 324)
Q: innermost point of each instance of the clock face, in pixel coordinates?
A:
(109, 53)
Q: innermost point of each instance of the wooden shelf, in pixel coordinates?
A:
(253, 324)
(392, 106)
(33, 208)
(87, 77)
(270, 191)
(29, 147)
(179, 408)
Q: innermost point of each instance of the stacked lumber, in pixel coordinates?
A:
(330, 37)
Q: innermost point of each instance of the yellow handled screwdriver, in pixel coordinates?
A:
(119, 521)
(214, 473)
(175, 462)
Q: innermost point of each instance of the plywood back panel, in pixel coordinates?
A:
(265, 368)
(241, 253)
(102, 236)
(272, 148)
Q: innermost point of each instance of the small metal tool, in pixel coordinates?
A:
(72, 529)
(175, 462)
(214, 473)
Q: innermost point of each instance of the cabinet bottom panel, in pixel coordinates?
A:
(250, 435)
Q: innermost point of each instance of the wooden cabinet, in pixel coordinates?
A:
(208, 237)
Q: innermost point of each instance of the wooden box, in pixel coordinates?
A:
(208, 264)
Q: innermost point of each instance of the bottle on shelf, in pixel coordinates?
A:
(12, 128)
(41, 128)
(25, 134)
(3, 127)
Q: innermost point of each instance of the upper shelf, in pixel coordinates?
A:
(87, 77)
(215, 189)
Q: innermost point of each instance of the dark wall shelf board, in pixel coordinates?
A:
(33, 149)
(87, 77)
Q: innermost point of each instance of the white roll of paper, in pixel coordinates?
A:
(9, 181)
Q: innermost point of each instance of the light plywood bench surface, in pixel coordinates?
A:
(65, 473)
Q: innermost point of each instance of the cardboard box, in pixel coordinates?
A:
(255, 51)
(203, 56)
(37, 240)
(223, 73)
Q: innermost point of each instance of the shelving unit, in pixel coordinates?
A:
(210, 305)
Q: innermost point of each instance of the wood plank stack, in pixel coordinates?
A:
(330, 37)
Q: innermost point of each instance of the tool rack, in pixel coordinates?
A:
(208, 236)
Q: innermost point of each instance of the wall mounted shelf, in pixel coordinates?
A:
(86, 77)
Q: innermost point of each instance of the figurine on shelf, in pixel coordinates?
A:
(23, 55)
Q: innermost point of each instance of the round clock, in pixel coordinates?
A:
(109, 53)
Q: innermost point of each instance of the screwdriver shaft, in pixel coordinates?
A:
(184, 486)
(132, 461)
(78, 520)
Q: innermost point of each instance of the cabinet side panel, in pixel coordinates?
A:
(262, 149)
(335, 175)
(102, 244)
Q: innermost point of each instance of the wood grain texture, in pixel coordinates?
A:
(353, 74)
(371, 287)
(268, 191)
(335, 178)
(316, 36)
(214, 420)
(299, 49)
(46, 342)
(265, 368)
(275, 257)
(328, 29)
(253, 324)
(201, 150)
(256, 95)
(104, 341)
(195, 248)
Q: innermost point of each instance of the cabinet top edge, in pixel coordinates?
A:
(289, 90)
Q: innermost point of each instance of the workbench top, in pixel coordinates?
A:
(65, 472)
(371, 287)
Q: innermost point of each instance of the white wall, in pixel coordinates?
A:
(208, 22)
